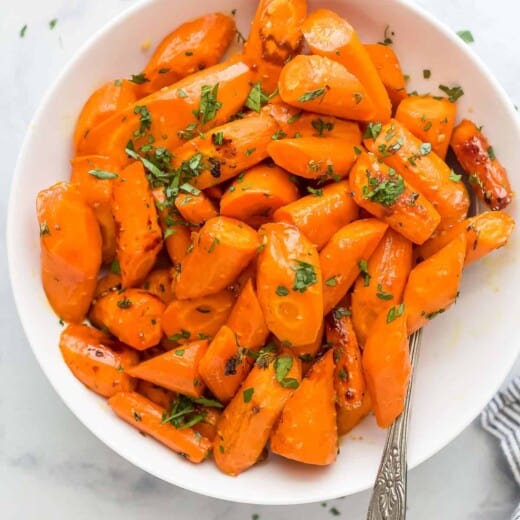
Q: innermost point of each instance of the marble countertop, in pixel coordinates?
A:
(51, 467)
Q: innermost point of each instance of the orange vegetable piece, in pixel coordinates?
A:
(159, 283)
(486, 174)
(244, 427)
(146, 416)
(70, 243)
(430, 119)
(155, 393)
(433, 285)
(319, 216)
(133, 316)
(349, 419)
(110, 282)
(388, 267)
(386, 363)
(484, 233)
(214, 192)
(103, 103)
(314, 157)
(193, 46)
(176, 370)
(289, 284)
(139, 237)
(307, 353)
(307, 430)
(255, 195)
(327, 34)
(195, 208)
(321, 85)
(343, 256)
(97, 361)
(200, 317)
(385, 194)
(221, 250)
(208, 427)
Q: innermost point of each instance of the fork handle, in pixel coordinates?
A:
(388, 501)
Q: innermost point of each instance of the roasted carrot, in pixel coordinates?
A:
(433, 285)
(138, 237)
(193, 46)
(321, 85)
(110, 282)
(289, 284)
(349, 419)
(243, 144)
(307, 353)
(155, 393)
(307, 430)
(103, 103)
(381, 191)
(256, 194)
(422, 168)
(221, 250)
(484, 233)
(132, 315)
(214, 94)
(388, 267)
(98, 362)
(345, 256)
(214, 192)
(327, 34)
(197, 318)
(244, 427)
(177, 370)
(314, 157)
(349, 380)
(486, 174)
(208, 427)
(159, 283)
(430, 119)
(69, 266)
(320, 215)
(386, 363)
(147, 417)
(195, 207)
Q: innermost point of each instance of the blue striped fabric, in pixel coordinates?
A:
(501, 418)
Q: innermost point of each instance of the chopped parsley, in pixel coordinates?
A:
(454, 176)
(340, 312)
(214, 244)
(466, 36)
(180, 352)
(281, 290)
(332, 281)
(217, 138)
(363, 270)
(305, 276)
(373, 130)
(182, 93)
(357, 150)
(320, 126)
(453, 93)
(53, 23)
(102, 174)
(386, 37)
(183, 334)
(425, 148)
(186, 412)
(115, 267)
(426, 73)
(315, 192)
(189, 132)
(282, 367)
(248, 394)
(23, 30)
(279, 134)
(394, 312)
(257, 98)
(358, 97)
(295, 117)
(384, 191)
(209, 105)
(383, 295)
(145, 119)
(491, 153)
(139, 79)
(125, 303)
(249, 151)
(312, 94)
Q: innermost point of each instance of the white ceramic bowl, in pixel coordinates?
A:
(466, 353)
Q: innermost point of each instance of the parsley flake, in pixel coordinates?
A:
(466, 36)
(453, 93)
(281, 290)
(305, 276)
(248, 394)
(312, 94)
(102, 174)
(363, 270)
(394, 313)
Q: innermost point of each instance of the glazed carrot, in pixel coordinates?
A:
(430, 119)
(324, 86)
(289, 284)
(147, 417)
(94, 176)
(349, 419)
(307, 353)
(221, 250)
(349, 380)
(244, 144)
(320, 215)
(103, 103)
(98, 362)
(132, 315)
(314, 157)
(193, 46)
(486, 174)
(389, 267)
(244, 427)
(69, 267)
(256, 194)
(214, 192)
(307, 430)
(238, 285)
(176, 370)
(200, 317)
(159, 283)
(110, 282)
(208, 427)
(421, 167)
(139, 237)
(327, 34)
(345, 255)
(170, 110)
(484, 233)
(433, 285)
(389, 70)
(381, 191)
(195, 207)
(155, 393)
(386, 363)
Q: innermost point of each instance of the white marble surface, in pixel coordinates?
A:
(51, 467)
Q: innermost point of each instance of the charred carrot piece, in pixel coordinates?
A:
(349, 419)
(196, 207)
(159, 283)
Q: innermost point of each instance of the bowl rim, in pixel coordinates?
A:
(195, 487)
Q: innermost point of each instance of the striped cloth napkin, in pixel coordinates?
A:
(501, 418)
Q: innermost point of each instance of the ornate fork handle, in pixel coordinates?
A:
(388, 500)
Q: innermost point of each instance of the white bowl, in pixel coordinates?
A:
(466, 352)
